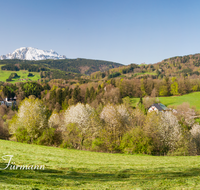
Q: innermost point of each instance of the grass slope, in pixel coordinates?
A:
(22, 73)
(74, 169)
(146, 73)
(193, 99)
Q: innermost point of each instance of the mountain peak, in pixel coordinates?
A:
(30, 53)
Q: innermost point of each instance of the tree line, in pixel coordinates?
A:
(64, 94)
(108, 128)
(97, 115)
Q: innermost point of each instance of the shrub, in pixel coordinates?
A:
(116, 119)
(72, 137)
(106, 141)
(98, 144)
(85, 119)
(30, 74)
(116, 74)
(50, 137)
(136, 141)
(166, 132)
(169, 131)
(81, 115)
(195, 132)
(30, 121)
(4, 132)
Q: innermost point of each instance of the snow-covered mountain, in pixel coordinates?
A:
(29, 53)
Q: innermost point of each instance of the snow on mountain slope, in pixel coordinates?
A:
(29, 53)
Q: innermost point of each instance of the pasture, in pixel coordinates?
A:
(143, 74)
(22, 73)
(76, 169)
(193, 99)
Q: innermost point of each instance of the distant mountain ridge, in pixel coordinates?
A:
(179, 66)
(61, 67)
(30, 53)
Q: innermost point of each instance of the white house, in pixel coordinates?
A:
(158, 108)
(8, 101)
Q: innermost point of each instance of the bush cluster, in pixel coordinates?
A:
(109, 128)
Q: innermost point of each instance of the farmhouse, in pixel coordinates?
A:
(8, 101)
(158, 108)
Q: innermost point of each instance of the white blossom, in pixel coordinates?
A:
(80, 114)
(169, 129)
(54, 120)
(109, 115)
(123, 112)
(116, 117)
(195, 132)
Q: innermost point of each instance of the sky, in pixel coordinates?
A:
(122, 31)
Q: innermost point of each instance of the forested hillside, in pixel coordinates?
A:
(173, 67)
(83, 66)
(180, 66)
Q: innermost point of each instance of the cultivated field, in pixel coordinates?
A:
(193, 99)
(22, 73)
(74, 169)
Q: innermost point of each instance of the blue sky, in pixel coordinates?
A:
(123, 31)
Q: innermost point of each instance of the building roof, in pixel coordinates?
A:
(160, 107)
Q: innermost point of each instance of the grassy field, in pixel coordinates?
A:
(74, 169)
(22, 73)
(193, 99)
(147, 73)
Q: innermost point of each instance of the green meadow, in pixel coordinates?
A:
(146, 73)
(22, 73)
(193, 99)
(76, 169)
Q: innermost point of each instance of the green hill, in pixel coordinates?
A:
(192, 98)
(179, 65)
(23, 76)
(75, 169)
(187, 65)
(176, 66)
(83, 66)
(52, 69)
